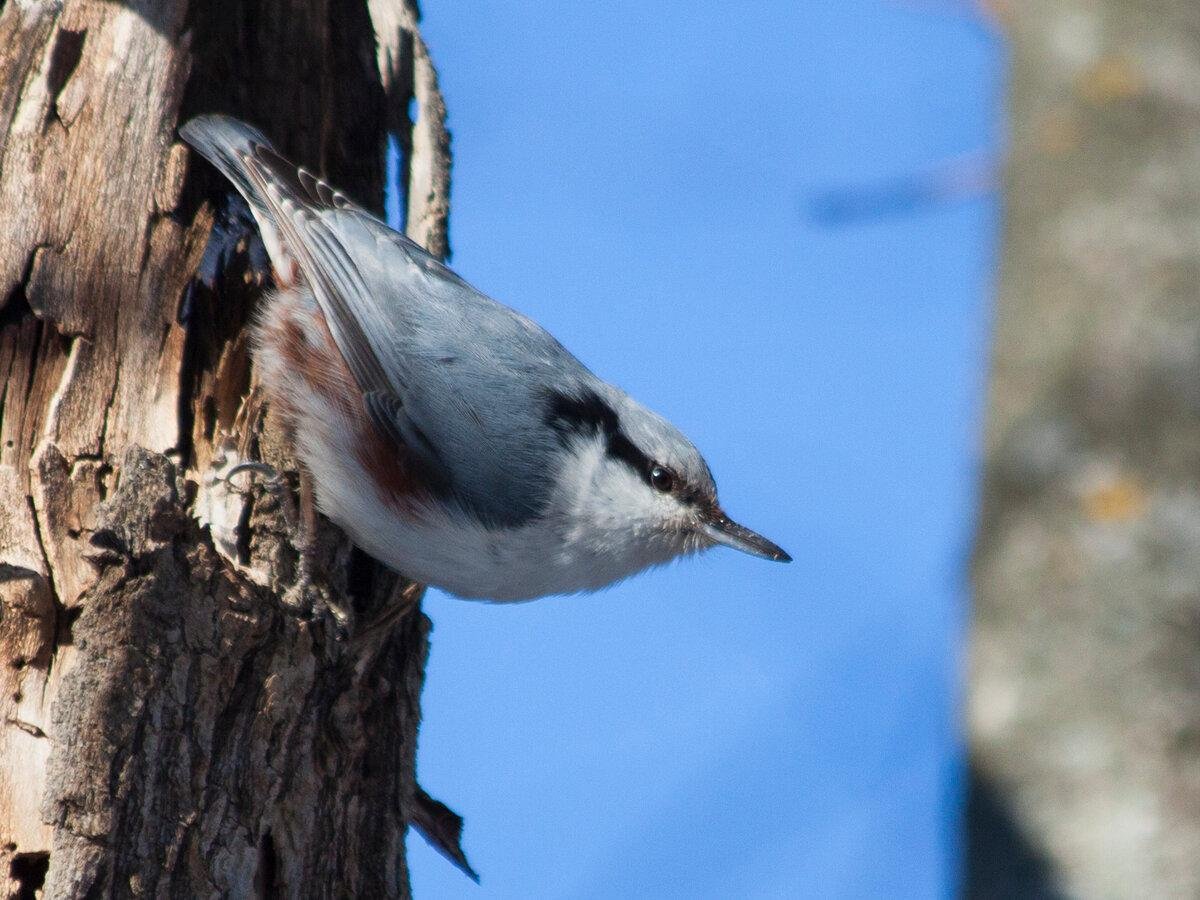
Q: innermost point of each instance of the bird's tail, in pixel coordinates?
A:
(231, 145)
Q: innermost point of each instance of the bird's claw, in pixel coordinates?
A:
(317, 602)
(307, 596)
(273, 481)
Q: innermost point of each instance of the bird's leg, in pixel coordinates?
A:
(306, 595)
(306, 535)
(273, 483)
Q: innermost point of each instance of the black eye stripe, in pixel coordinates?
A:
(589, 413)
(579, 415)
(622, 448)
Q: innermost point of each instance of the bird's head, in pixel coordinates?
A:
(638, 488)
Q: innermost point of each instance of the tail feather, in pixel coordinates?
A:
(225, 142)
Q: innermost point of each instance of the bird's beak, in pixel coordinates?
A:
(720, 529)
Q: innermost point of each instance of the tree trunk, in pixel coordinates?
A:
(1084, 706)
(167, 726)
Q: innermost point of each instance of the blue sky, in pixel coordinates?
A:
(648, 181)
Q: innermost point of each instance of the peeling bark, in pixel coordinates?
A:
(167, 727)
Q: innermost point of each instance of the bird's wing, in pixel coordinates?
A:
(474, 379)
(300, 204)
(445, 372)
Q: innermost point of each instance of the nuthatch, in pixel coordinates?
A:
(452, 438)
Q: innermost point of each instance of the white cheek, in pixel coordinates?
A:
(606, 502)
(619, 498)
(575, 481)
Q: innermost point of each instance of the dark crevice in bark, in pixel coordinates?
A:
(63, 635)
(37, 533)
(16, 306)
(22, 286)
(210, 418)
(266, 879)
(16, 313)
(28, 872)
(64, 58)
(244, 532)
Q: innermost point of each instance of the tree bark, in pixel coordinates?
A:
(1084, 705)
(167, 726)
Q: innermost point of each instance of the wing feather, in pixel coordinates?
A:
(443, 370)
(330, 272)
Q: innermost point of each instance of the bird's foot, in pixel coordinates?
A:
(309, 596)
(272, 480)
(275, 484)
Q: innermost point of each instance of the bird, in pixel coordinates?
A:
(452, 438)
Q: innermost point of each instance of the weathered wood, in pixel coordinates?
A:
(166, 726)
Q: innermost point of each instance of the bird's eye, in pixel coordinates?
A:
(662, 479)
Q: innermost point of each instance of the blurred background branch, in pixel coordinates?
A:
(966, 177)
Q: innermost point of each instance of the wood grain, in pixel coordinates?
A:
(166, 726)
